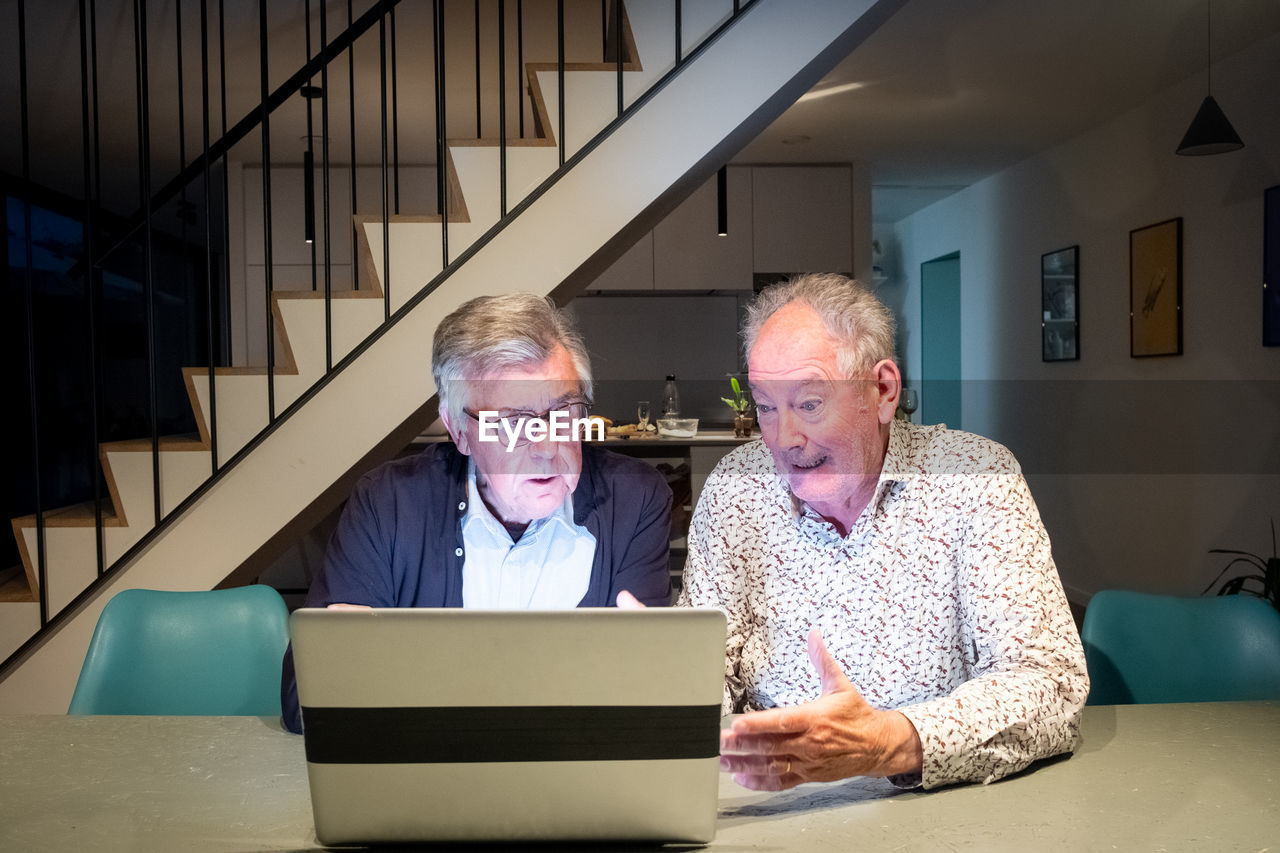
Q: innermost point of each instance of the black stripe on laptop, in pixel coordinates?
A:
(517, 733)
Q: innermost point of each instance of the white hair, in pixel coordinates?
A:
(860, 323)
(491, 333)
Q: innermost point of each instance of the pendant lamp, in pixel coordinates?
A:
(1210, 132)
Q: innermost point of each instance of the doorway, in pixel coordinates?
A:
(940, 341)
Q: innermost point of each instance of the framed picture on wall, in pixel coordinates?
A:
(1155, 289)
(1271, 268)
(1060, 305)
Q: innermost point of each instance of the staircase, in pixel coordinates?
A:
(683, 125)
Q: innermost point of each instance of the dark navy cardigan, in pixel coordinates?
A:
(399, 541)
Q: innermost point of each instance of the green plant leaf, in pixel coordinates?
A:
(1226, 569)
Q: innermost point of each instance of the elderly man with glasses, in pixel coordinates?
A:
(516, 512)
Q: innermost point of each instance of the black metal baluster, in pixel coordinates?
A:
(309, 158)
(90, 223)
(208, 220)
(479, 131)
(395, 116)
(520, 81)
(324, 156)
(502, 109)
(442, 191)
(386, 210)
(226, 234)
(351, 98)
(617, 33)
(679, 33)
(265, 113)
(182, 154)
(560, 74)
(28, 272)
(144, 177)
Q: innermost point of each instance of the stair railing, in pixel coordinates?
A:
(159, 234)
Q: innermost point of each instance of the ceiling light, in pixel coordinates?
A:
(1210, 132)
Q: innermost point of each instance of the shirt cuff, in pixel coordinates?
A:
(933, 743)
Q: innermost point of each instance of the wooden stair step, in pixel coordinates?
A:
(14, 586)
(78, 515)
(168, 443)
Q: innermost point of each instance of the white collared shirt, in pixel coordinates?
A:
(548, 569)
(943, 601)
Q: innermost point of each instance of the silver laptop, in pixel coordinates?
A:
(464, 725)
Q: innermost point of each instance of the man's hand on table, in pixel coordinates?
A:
(833, 737)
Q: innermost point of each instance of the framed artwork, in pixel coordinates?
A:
(1271, 268)
(1155, 289)
(1060, 305)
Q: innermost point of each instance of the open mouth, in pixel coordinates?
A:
(810, 464)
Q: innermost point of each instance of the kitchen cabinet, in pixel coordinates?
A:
(802, 218)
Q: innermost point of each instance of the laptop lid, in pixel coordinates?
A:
(464, 725)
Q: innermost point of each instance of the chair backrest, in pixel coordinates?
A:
(1144, 648)
(215, 653)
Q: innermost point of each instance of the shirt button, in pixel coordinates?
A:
(457, 552)
(462, 505)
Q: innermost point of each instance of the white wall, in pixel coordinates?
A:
(1139, 465)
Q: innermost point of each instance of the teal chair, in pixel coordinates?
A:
(214, 653)
(1144, 648)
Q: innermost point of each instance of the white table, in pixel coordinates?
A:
(1146, 777)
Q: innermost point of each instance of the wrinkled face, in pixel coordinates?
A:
(827, 434)
(531, 479)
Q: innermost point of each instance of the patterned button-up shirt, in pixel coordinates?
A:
(943, 600)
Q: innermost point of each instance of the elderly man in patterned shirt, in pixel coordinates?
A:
(891, 597)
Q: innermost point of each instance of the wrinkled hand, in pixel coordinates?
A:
(833, 737)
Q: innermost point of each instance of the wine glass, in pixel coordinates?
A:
(642, 416)
(910, 401)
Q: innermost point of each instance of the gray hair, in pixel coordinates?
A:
(848, 310)
(491, 333)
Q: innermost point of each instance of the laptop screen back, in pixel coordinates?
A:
(451, 725)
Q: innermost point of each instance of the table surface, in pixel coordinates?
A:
(1145, 777)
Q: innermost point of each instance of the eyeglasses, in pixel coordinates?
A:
(520, 424)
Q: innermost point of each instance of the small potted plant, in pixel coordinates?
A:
(1262, 571)
(742, 420)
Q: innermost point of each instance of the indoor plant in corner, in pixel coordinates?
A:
(1264, 572)
(742, 421)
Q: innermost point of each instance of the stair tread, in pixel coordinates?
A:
(496, 142)
(319, 294)
(187, 442)
(76, 515)
(14, 586)
(280, 370)
(581, 66)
